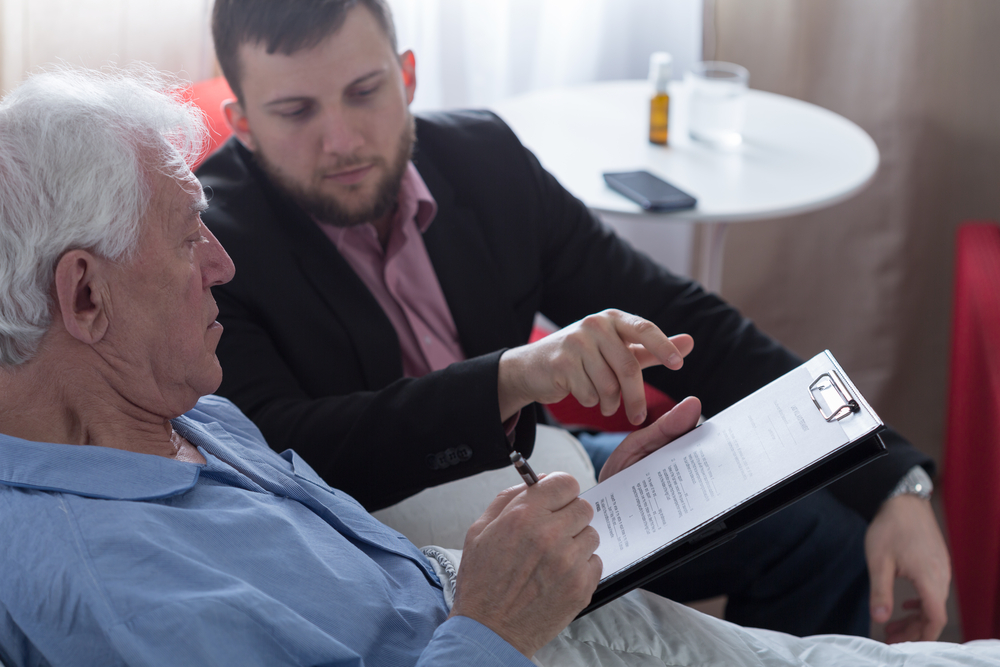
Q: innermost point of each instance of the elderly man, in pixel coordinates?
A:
(146, 523)
(383, 305)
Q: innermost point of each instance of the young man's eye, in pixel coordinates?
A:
(295, 112)
(366, 91)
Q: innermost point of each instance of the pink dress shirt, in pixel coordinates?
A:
(402, 279)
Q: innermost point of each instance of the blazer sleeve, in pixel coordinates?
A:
(379, 446)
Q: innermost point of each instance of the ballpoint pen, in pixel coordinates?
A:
(523, 469)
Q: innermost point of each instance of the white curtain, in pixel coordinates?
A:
(173, 36)
(471, 53)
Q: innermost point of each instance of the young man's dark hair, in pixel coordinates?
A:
(282, 26)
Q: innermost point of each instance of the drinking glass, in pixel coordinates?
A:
(718, 97)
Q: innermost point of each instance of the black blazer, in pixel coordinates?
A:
(309, 355)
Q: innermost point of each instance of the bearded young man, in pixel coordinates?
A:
(384, 300)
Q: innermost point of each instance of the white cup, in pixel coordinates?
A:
(717, 102)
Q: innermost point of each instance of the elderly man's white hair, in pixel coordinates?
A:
(77, 152)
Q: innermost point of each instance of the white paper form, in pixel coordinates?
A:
(741, 452)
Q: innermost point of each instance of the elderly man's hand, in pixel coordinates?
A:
(528, 565)
(640, 444)
(599, 360)
(904, 540)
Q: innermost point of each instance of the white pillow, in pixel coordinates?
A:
(442, 515)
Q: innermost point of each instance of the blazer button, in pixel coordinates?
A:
(449, 457)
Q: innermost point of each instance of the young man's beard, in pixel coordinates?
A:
(326, 209)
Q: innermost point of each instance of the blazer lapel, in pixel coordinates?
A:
(467, 271)
(350, 302)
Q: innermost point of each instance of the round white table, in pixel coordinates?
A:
(795, 156)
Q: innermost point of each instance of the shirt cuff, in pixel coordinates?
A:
(463, 641)
(510, 425)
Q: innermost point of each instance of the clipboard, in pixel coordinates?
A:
(835, 399)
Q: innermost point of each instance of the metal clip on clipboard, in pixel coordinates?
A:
(830, 390)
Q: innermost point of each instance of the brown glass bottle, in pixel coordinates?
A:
(659, 113)
(660, 65)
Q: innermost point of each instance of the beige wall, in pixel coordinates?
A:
(871, 278)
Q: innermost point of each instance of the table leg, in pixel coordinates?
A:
(711, 246)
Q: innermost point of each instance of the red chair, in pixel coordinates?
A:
(209, 96)
(971, 484)
(569, 412)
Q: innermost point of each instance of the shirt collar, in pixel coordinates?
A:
(96, 472)
(413, 189)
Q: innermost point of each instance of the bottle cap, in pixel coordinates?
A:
(660, 69)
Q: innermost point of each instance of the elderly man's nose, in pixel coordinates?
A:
(218, 267)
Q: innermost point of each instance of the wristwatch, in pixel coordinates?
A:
(916, 482)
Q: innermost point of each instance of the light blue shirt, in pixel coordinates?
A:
(110, 558)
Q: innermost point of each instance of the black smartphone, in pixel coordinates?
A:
(649, 191)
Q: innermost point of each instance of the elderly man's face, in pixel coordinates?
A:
(331, 124)
(162, 333)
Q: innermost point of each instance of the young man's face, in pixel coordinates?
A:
(331, 124)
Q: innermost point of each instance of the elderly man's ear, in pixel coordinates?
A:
(80, 292)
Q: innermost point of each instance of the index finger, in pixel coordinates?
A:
(683, 342)
(638, 331)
